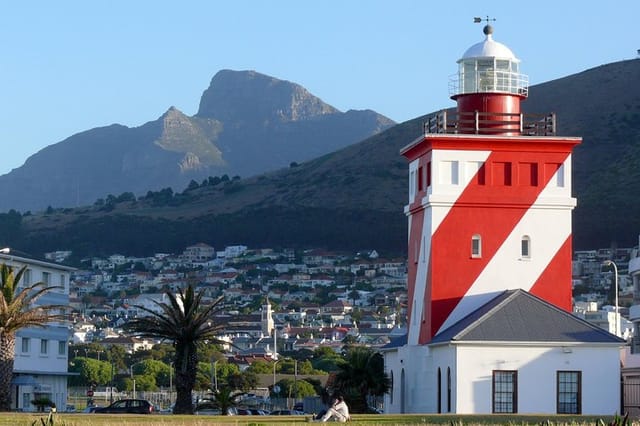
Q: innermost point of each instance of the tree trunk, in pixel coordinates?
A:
(186, 363)
(7, 355)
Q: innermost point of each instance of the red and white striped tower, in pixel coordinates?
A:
(489, 198)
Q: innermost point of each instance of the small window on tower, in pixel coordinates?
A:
(429, 174)
(560, 176)
(525, 250)
(412, 185)
(420, 179)
(475, 170)
(556, 169)
(476, 246)
(501, 172)
(449, 172)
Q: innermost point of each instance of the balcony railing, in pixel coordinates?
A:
(489, 81)
(491, 123)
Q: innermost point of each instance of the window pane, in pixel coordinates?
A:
(504, 392)
(569, 395)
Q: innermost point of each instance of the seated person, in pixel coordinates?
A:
(338, 411)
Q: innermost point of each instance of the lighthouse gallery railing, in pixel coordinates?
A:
(491, 123)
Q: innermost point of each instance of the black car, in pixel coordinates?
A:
(130, 406)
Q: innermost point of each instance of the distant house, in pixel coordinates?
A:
(128, 343)
(198, 253)
(337, 307)
(41, 353)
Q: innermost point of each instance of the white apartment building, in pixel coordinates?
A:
(200, 252)
(40, 367)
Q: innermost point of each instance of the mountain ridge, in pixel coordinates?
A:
(354, 197)
(247, 139)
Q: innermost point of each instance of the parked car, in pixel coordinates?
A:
(130, 406)
(286, 413)
(207, 407)
(90, 409)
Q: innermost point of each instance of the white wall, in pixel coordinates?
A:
(537, 367)
(471, 370)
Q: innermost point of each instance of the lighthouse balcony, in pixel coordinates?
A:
(491, 123)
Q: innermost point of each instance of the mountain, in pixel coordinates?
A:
(247, 123)
(353, 198)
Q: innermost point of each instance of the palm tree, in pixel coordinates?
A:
(225, 398)
(187, 323)
(19, 309)
(360, 376)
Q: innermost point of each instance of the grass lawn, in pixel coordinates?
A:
(19, 419)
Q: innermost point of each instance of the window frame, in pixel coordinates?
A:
(495, 391)
(25, 344)
(439, 411)
(44, 346)
(525, 247)
(578, 392)
(448, 389)
(476, 246)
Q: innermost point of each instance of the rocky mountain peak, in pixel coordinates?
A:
(249, 96)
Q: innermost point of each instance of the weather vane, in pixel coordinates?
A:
(477, 19)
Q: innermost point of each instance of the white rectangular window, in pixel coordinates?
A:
(62, 347)
(475, 172)
(44, 346)
(560, 176)
(412, 185)
(26, 345)
(476, 246)
(46, 278)
(26, 277)
(449, 172)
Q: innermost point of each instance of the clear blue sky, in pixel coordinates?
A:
(69, 66)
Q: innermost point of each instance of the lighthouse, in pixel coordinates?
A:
(489, 259)
(489, 197)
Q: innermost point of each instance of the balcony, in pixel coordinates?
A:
(491, 123)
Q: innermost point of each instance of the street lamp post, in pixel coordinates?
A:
(214, 375)
(615, 274)
(274, 372)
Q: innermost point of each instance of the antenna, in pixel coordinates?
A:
(477, 19)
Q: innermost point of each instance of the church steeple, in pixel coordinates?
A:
(267, 318)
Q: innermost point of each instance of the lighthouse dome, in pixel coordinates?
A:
(488, 67)
(489, 48)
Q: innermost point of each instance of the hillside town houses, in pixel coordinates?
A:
(295, 299)
(315, 297)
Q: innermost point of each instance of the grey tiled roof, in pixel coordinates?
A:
(519, 316)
